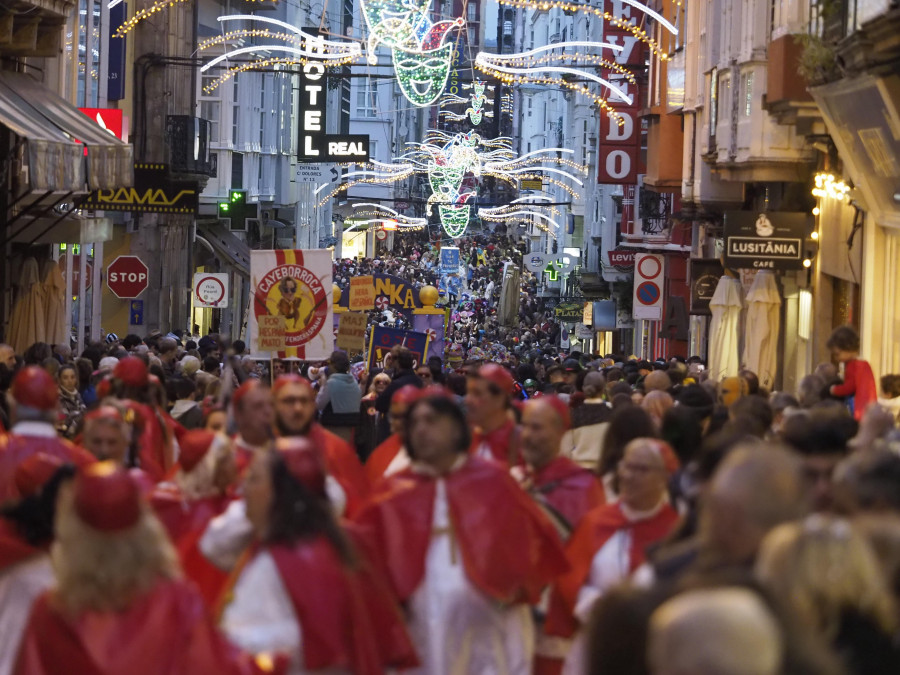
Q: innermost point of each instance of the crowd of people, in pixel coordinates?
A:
(166, 509)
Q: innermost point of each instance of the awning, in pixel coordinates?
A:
(54, 131)
(72, 228)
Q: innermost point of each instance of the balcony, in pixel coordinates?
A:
(787, 97)
(188, 141)
(33, 27)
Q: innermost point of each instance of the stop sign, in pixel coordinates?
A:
(127, 276)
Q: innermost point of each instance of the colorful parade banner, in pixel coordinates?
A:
(433, 326)
(390, 291)
(449, 280)
(362, 293)
(294, 285)
(382, 339)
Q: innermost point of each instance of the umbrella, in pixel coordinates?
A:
(763, 324)
(55, 322)
(725, 305)
(26, 325)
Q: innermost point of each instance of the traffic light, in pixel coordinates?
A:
(237, 210)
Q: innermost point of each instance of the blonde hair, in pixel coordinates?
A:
(102, 571)
(822, 567)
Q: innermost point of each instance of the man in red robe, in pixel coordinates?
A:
(34, 414)
(149, 622)
(488, 399)
(641, 517)
(390, 457)
(197, 493)
(254, 415)
(295, 413)
(464, 548)
(566, 492)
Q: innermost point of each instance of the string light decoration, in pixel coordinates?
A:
(145, 13)
(476, 110)
(828, 186)
(419, 49)
(379, 210)
(612, 19)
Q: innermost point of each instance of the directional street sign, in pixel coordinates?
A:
(317, 173)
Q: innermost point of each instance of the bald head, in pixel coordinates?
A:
(725, 631)
(7, 356)
(542, 430)
(756, 488)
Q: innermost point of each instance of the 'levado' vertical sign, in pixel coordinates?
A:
(314, 144)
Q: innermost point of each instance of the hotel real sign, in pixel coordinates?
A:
(771, 240)
(314, 145)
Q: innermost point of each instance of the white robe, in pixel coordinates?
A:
(261, 619)
(609, 567)
(456, 629)
(20, 586)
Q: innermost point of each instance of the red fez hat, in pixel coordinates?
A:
(131, 371)
(35, 387)
(33, 474)
(499, 376)
(104, 412)
(406, 395)
(103, 388)
(303, 462)
(243, 390)
(437, 390)
(107, 498)
(561, 408)
(194, 445)
(290, 378)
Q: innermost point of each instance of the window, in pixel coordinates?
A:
(212, 110)
(471, 11)
(713, 102)
(236, 114)
(748, 94)
(529, 106)
(373, 149)
(725, 95)
(367, 99)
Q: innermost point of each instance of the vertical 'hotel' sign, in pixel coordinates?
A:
(314, 144)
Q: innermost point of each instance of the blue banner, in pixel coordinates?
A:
(115, 84)
(433, 326)
(449, 280)
(383, 339)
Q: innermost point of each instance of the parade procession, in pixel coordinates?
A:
(449, 337)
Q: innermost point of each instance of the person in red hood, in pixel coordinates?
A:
(464, 547)
(35, 410)
(156, 444)
(26, 532)
(390, 457)
(253, 413)
(120, 605)
(198, 492)
(566, 492)
(303, 589)
(612, 540)
(488, 406)
(295, 413)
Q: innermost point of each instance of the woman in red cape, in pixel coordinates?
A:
(120, 605)
(302, 589)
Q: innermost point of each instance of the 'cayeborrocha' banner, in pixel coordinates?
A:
(296, 286)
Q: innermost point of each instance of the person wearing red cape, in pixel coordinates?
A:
(120, 605)
(26, 532)
(295, 412)
(390, 456)
(198, 492)
(466, 550)
(35, 398)
(254, 416)
(641, 517)
(302, 588)
(564, 490)
(488, 406)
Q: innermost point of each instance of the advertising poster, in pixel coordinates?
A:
(294, 285)
(382, 339)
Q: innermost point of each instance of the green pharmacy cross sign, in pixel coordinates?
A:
(552, 270)
(237, 210)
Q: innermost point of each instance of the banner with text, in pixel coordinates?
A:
(351, 336)
(383, 339)
(295, 286)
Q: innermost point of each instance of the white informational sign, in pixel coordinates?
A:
(318, 173)
(210, 290)
(649, 280)
(535, 262)
(582, 332)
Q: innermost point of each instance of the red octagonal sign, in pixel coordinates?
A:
(127, 276)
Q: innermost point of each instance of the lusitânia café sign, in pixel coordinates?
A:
(765, 240)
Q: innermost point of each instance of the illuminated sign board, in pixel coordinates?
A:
(314, 144)
(153, 192)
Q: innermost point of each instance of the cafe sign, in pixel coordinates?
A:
(765, 240)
